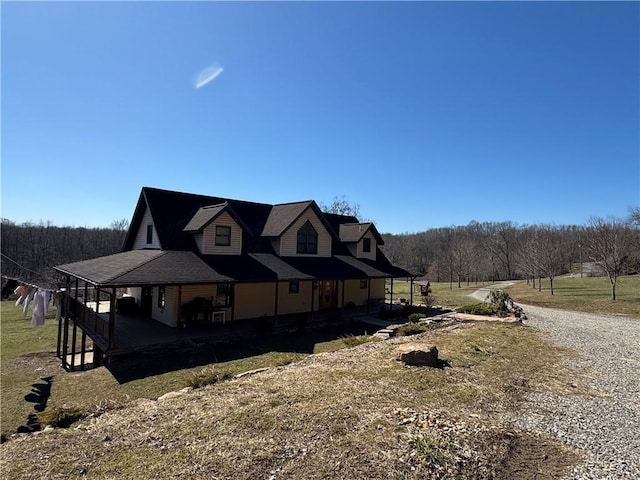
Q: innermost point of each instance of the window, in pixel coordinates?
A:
(223, 235)
(161, 297)
(149, 234)
(364, 283)
(366, 245)
(223, 294)
(294, 286)
(307, 239)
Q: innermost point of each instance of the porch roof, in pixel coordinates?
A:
(144, 267)
(369, 270)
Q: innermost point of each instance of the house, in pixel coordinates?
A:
(193, 260)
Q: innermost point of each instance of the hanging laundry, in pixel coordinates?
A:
(27, 300)
(21, 291)
(37, 319)
(47, 296)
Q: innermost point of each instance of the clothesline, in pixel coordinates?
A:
(30, 294)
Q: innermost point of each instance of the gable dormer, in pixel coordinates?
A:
(362, 239)
(216, 230)
(298, 229)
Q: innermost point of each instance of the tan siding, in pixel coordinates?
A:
(296, 302)
(254, 300)
(289, 239)
(189, 292)
(141, 236)
(377, 289)
(208, 245)
(353, 293)
(361, 253)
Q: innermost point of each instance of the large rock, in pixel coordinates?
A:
(418, 355)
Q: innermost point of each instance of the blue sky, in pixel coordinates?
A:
(426, 114)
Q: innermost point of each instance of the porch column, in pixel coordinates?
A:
(391, 299)
(411, 291)
(368, 294)
(74, 334)
(83, 350)
(180, 305)
(112, 317)
(275, 306)
(314, 287)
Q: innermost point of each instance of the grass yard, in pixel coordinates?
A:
(348, 413)
(443, 293)
(588, 294)
(32, 379)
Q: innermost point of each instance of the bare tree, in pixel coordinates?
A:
(611, 244)
(342, 206)
(634, 216)
(549, 252)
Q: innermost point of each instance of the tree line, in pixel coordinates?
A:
(488, 251)
(493, 251)
(30, 251)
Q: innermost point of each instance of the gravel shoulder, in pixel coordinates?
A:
(603, 427)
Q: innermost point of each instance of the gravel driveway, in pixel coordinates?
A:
(606, 427)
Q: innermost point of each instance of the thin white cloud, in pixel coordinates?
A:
(207, 75)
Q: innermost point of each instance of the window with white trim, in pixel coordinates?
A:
(223, 235)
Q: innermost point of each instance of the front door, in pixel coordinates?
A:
(328, 294)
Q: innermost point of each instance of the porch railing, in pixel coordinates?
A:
(93, 324)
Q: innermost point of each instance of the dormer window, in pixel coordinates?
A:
(223, 235)
(366, 245)
(149, 234)
(307, 239)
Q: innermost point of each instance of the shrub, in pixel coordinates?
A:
(209, 376)
(503, 304)
(415, 317)
(412, 329)
(61, 417)
(477, 309)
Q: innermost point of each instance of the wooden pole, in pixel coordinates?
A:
(275, 306)
(112, 318)
(411, 294)
(83, 350)
(73, 346)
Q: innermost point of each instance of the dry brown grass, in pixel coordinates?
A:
(353, 413)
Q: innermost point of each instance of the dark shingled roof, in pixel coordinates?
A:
(173, 211)
(324, 268)
(204, 216)
(383, 263)
(281, 216)
(176, 216)
(368, 270)
(144, 267)
(282, 269)
(241, 268)
(353, 232)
